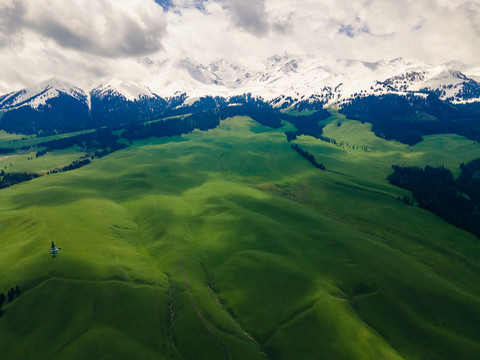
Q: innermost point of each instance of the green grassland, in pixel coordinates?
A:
(25, 161)
(7, 137)
(17, 141)
(227, 244)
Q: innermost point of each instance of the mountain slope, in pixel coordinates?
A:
(39, 94)
(227, 244)
(46, 108)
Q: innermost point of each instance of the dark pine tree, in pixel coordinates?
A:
(11, 294)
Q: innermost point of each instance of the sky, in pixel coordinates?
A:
(87, 40)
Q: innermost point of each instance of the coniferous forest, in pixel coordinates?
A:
(408, 118)
(435, 189)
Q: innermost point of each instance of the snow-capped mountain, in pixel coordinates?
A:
(39, 94)
(448, 84)
(174, 77)
(296, 79)
(129, 89)
(283, 80)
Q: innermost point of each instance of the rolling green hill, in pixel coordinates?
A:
(227, 244)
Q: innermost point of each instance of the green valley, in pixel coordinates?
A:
(228, 244)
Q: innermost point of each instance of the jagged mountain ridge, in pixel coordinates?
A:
(38, 95)
(299, 78)
(281, 80)
(129, 89)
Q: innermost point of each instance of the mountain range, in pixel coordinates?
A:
(282, 80)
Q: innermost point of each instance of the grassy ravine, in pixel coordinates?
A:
(227, 244)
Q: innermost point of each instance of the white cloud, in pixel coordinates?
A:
(249, 15)
(431, 30)
(11, 13)
(100, 27)
(76, 39)
(91, 39)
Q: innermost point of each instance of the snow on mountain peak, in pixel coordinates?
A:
(38, 94)
(130, 89)
(278, 78)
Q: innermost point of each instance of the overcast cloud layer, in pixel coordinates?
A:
(87, 40)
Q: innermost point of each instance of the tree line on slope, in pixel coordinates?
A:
(10, 179)
(74, 165)
(100, 143)
(435, 189)
(13, 178)
(308, 156)
(99, 139)
(11, 295)
(306, 124)
(408, 118)
(6, 150)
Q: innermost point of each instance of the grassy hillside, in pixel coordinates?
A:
(227, 244)
(17, 141)
(27, 162)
